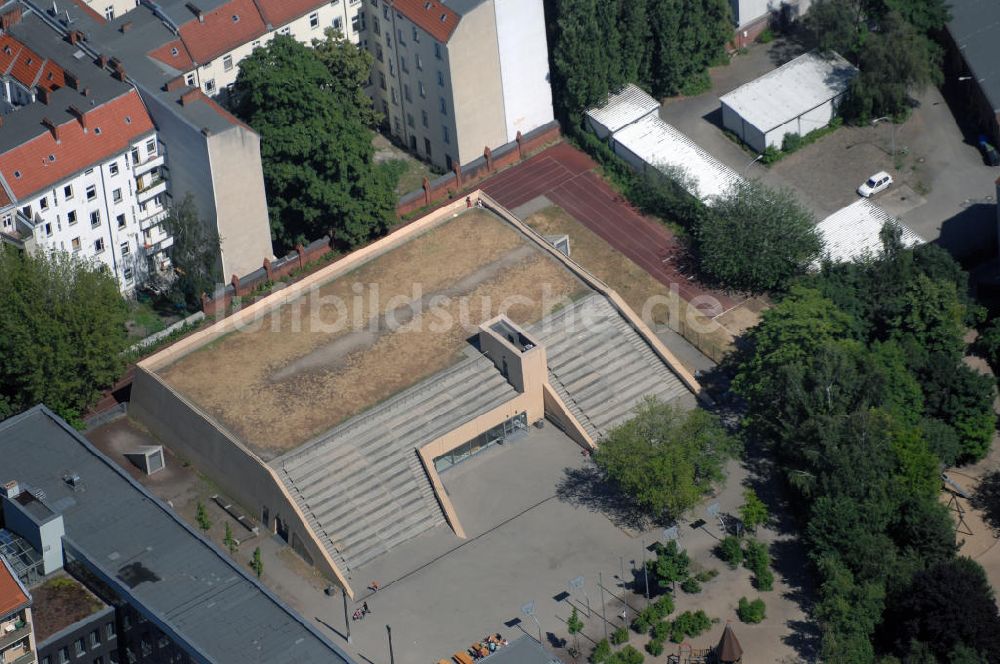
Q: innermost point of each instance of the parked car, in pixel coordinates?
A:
(876, 183)
(990, 154)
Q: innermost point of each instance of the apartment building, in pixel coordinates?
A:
(201, 149)
(147, 587)
(212, 36)
(80, 164)
(111, 9)
(455, 78)
(17, 637)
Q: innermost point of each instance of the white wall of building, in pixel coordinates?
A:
(112, 9)
(524, 65)
(101, 214)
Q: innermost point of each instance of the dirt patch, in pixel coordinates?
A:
(636, 286)
(357, 340)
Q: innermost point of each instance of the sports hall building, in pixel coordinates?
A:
(331, 408)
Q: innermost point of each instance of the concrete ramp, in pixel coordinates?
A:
(601, 367)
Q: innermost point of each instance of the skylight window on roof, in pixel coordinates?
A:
(17, 175)
(174, 52)
(97, 130)
(6, 49)
(236, 18)
(128, 119)
(444, 17)
(427, 5)
(78, 54)
(30, 61)
(52, 157)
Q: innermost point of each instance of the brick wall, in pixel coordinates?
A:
(465, 178)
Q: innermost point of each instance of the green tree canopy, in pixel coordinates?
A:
(316, 151)
(666, 460)
(194, 254)
(349, 68)
(62, 332)
(755, 238)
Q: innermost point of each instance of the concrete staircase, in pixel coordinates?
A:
(362, 487)
(601, 367)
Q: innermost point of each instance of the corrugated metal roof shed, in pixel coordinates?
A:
(853, 231)
(184, 585)
(655, 142)
(792, 89)
(622, 109)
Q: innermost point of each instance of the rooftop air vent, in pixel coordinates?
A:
(17, 175)
(52, 157)
(97, 130)
(236, 18)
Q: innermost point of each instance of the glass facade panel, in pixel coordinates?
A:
(512, 428)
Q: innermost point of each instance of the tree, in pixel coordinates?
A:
(946, 606)
(349, 68)
(756, 238)
(580, 63)
(731, 551)
(575, 626)
(664, 459)
(229, 540)
(62, 332)
(201, 516)
(753, 512)
(317, 153)
(751, 612)
(194, 254)
(256, 563)
(672, 564)
(636, 34)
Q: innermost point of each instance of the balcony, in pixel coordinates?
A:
(8, 638)
(26, 658)
(153, 248)
(154, 218)
(148, 165)
(154, 188)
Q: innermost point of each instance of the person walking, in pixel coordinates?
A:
(364, 608)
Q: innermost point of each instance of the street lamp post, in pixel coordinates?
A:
(893, 126)
(752, 162)
(604, 615)
(347, 622)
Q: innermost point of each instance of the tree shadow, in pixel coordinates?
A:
(987, 500)
(971, 235)
(790, 561)
(587, 487)
(794, 41)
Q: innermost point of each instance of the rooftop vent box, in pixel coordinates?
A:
(148, 458)
(11, 489)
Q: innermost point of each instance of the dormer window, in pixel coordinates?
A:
(174, 52)
(236, 18)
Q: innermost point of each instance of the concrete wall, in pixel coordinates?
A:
(748, 11)
(240, 203)
(477, 90)
(524, 65)
(193, 434)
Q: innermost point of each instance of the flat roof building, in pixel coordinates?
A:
(974, 31)
(796, 98)
(854, 232)
(121, 539)
(331, 408)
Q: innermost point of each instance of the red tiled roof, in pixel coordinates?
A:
(166, 54)
(12, 597)
(27, 67)
(96, 15)
(4, 198)
(279, 12)
(76, 150)
(430, 16)
(223, 29)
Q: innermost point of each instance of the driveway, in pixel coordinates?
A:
(942, 189)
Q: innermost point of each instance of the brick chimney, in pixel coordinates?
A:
(51, 126)
(126, 26)
(120, 71)
(194, 9)
(71, 79)
(175, 84)
(74, 37)
(80, 116)
(102, 61)
(190, 96)
(42, 94)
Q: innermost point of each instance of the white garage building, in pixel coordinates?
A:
(620, 110)
(796, 98)
(854, 232)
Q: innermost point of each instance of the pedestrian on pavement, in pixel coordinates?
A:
(364, 608)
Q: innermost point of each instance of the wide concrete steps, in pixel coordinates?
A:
(362, 487)
(601, 367)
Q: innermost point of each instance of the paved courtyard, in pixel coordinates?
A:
(942, 188)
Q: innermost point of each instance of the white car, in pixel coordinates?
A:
(876, 183)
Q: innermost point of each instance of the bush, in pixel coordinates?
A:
(691, 585)
(764, 580)
(697, 84)
(663, 606)
(766, 37)
(771, 155)
(627, 655)
(619, 636)
(730, 551)
(791, 143)
(655, 648)
(690, 624)
(601, 652)
(756, 557)
(661, 630)
(751, 612)
(707, 575)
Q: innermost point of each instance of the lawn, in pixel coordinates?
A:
(143, 320)
(633, 283)
(410, 170)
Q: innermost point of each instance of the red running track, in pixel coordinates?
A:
(565, 176)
